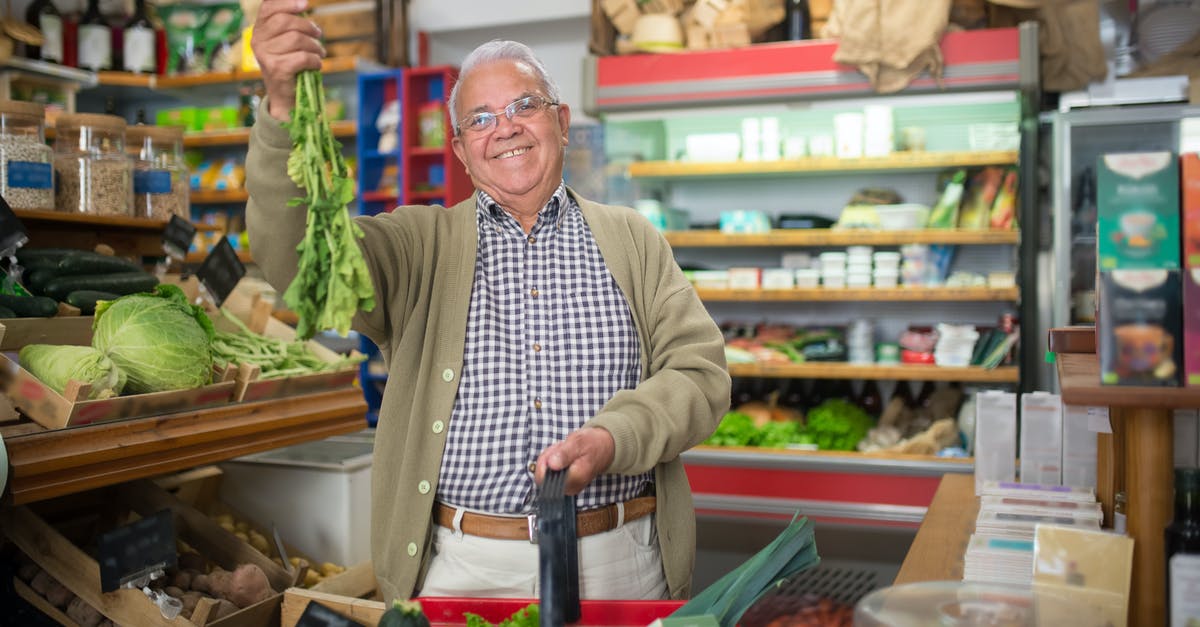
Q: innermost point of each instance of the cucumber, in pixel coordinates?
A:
(30, 306)
(5, 312)
(84, 262)
(85, 300)
(120, 283)
(36, 280)
(30, 256)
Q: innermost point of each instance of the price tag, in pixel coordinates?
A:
(317, 615)
(221, 271)
(177, 238)
(12, 232)
(136, 550)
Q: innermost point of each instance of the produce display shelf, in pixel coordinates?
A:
(821, 165)
(153, 81)
(907, 293)
(839, 237)
(126, 235)
(199, 257)
(50, 463)
(240, 136)
(97, 221)
(897, 372)
(208, 197)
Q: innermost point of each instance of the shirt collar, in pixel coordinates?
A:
(490, 211)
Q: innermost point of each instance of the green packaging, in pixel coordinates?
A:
(1137, 197)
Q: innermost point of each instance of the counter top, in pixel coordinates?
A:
(937, 552)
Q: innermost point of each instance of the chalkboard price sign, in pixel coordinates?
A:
(178, 236)
(221, 271)
(317, 615)
(132, 551)
(12, 232)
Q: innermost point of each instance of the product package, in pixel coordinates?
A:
(995, 438)
(1191, 325)
(1139, 332)
(1081, 571)
(1041, 438)
(1078, 447)
(1036, 491)
(1190, 174)
(1138, 211)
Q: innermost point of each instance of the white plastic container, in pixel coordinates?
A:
(859, 267)
(858, 279)
(778, 279)
(886, 259)
(859, 251)
(326, 512)
(848, 131)
(772, 143)
(878, 134)
(808, 277)
(833, 279)
(751, 140)
(886, 278)
(832, 258)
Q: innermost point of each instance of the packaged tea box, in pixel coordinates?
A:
(1137, 199)
(1140, 328)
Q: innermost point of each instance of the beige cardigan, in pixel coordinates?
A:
(422, 262)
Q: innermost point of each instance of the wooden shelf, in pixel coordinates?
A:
(839, 237)
(240, 136)
(127, 235)
(425, 151)
(152, 81)
(894, 161)
(208, 197)
(1079, 378)
(938, 549)
(877, 294)
(47, 464)
(897, 372)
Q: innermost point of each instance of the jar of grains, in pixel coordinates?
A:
(160, 176)
(26, 173)
(95, 176)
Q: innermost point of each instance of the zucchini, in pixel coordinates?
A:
(31, 256)
(120, 283)
(36, 280)
(85, 300)
(84, 262)
(30, 306)
(5, 312)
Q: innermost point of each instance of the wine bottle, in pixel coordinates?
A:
(43, 15)
(1182, 545)
(95, 39)
(870, 398)
(139, 41)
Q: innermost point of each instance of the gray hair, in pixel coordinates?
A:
(500, 50)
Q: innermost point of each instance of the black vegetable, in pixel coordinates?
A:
(85, 300)
(29, 306)
(29, 257)
(84, 262)
(36, 279)
(120, 283)
(404, 614)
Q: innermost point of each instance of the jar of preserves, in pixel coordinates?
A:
(95, 176)
(26, 170)
(160, 176)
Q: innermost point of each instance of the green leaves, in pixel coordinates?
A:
(332, 282)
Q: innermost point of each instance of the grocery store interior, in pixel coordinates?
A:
(953, 247)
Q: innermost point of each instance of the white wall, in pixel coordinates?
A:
(437, 16)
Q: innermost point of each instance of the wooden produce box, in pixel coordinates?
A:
(80, 573)
(72, 408)
(255, 312)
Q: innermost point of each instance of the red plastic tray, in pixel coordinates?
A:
(450, 610)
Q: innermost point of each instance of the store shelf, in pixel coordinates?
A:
(127, 235)
(1079, 378)
(388, 197)
(784, 459)
(209, 197)
(47, 464)
(900, 372)
(425, 151)
(152, 81)
(51, 71)
(240, 136)
(428, 194)
(199, 257)
(28, 216)
(818, 165)
(839, 237)
(867, 294)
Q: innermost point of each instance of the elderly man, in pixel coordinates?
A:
(524, 329)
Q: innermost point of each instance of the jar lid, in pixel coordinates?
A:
(138, 132)
(22, 107)
(71, 121)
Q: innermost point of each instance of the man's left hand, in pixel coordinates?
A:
(585, 453)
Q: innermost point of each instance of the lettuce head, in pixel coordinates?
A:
(56, 365)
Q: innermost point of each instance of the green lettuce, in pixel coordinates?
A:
(159, 340)
(56, 365)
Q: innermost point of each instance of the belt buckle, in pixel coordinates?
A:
(531, 521)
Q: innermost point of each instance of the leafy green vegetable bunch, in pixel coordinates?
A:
(837, 425)
(738, 429)
(332, 282)
(275, 358)
(524, 617)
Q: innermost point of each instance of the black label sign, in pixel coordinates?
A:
(221, 271)
(177, 238)
(317, 615)
(136, 550)
(12, 232)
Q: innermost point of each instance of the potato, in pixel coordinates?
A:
(201, 583)
(84, 614)
(260, 543)
(295, 560)
(41, 582)
(242, 536)
(329, 568)
(223, 518)
(182, 579)
(190, 599)
(242, 526)
(28, 571)
(228, 526)
(223, 608)
(173, 591)
(312, 578)
(58, 595)
(278, 560)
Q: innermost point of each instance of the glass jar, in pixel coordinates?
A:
(95, 176)
(160, 176)
(26, 170)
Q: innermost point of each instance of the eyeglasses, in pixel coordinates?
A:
(522, 108)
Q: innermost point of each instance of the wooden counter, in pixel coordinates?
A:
(937, 552)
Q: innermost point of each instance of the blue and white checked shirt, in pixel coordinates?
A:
(549, 340)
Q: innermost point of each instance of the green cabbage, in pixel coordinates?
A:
(56, 365)
(159, 340)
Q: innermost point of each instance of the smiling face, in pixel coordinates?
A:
(518, 162)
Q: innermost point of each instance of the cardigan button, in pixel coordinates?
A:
(423, 487)
(412, 549)
(447, 375)
(438, 426)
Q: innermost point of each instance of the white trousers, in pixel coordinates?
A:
(624, 563)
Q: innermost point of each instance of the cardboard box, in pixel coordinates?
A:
(1191, 326)
(1190, 175)
(1138, 206)
(1139, 332)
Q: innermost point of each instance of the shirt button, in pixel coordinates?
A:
(532, 239)
(438, 426)
(423, 487)
(537, 348)
(532, 466)
(412, 549)
(534, 292)
(447, 375)
(537, 403)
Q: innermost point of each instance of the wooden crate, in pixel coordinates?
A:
(295, 600)
(80, 573)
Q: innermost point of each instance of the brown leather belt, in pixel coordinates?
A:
(587, 522)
